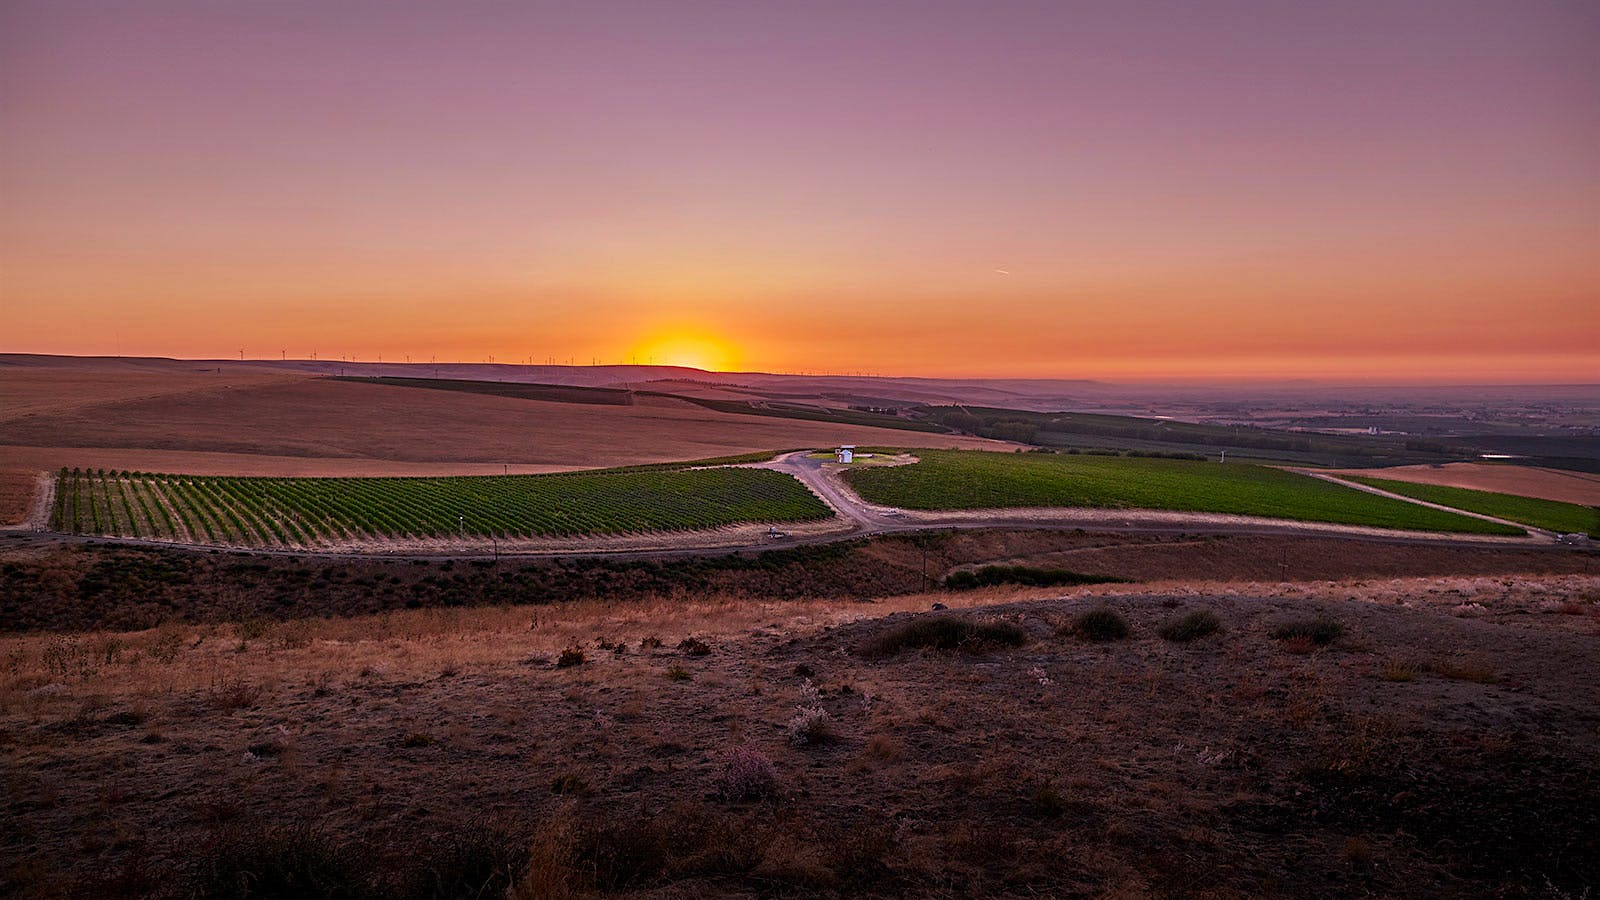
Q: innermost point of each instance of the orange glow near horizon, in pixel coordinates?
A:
(1357, 192)
(688, 348)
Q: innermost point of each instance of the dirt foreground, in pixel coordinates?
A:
(1440, 742)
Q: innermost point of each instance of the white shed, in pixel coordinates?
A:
(846, 453)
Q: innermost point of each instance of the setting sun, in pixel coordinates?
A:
(690, 349)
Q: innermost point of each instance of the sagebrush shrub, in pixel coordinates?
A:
(1319, 631)
(1102, 624)
(810, 723)
(1195, 625)
(745, 773)
(947, 633)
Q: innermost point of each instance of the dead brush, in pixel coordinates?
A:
(1299, 645)
(1365, 750)
(1398, 670)
(1464, 668)
(1191, 627)
(744, 773)
(946, 633)
(1098, 625)
(230, 693)
(1318, 632)
(811, 723)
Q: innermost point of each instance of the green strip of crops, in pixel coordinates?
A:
(1551, 515)
(970, 479)
(266, 511)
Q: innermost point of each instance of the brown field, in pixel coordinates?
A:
(244, 423)
(17, 488)
(1526, 481)
(1440, 745)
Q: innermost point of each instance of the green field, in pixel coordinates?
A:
(312, 512)
(969, 479)
(1551, 515)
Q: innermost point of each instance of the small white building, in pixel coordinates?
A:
(846, 453)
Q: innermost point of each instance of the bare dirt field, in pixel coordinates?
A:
(233, 417)
(1435, 738)
(17, 489)
(1526, 481)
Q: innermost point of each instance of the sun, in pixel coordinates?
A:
(690, 349)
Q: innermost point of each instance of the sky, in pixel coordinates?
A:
(1389, 190)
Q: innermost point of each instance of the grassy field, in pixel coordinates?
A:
(976, 480)
(309, 512)
(1552, 515)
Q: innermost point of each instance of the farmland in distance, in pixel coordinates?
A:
(945, 480)
(1552, 515)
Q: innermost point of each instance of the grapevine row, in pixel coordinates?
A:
(310, 512)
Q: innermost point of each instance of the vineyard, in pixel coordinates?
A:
(313, 512)
(959, 479)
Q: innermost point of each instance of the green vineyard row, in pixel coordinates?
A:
(311, 512)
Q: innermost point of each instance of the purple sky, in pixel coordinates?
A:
(1344, 189)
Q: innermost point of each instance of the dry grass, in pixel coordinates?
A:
(1057, 768)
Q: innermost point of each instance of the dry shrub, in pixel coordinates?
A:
(548, 873)
(167, 643)
(477, 860)
(1193, 626)
(745, 773)
(1048, 801)
(1320, 631)
(1100, 625)
(946, 633)
(1356, 851)
(1299, 645)
(570, 858)
(693, 646)
(1465, 669)
(571, 785)
(1398, 670)
(287, 861)
(811, 723)
(232, 693)
(885, 748)
(572, 656)
(1369, 748)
